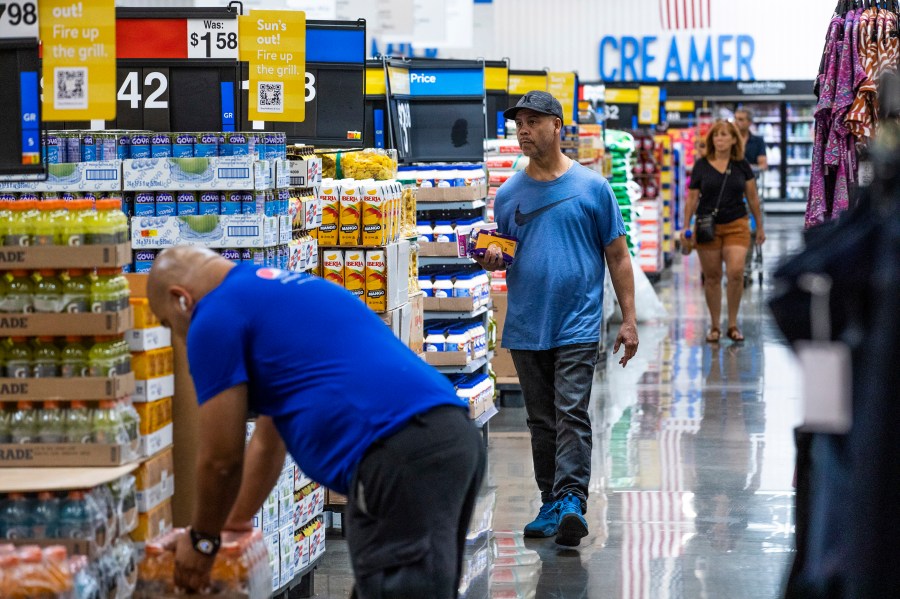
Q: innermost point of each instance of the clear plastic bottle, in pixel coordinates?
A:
(6, 219)
(73, 359)
(123, 356)
(74, 229)
(44, 358)
(107, 291)
(131, 422)
(19, 230)
(16, 517)
(108, 425)
(50, 223)
(51, 423)
(18, 358)
(25, 423)
(76, 291)
(46, 516)
(19, 293)
(111, 224)
(79, 423)
(75, 518)
(103, 358)
(48, 292)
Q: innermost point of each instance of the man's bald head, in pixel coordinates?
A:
(180, 278)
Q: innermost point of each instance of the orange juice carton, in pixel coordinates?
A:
(351, 215)
(375, 210)
(355, 273)
(376, 280)
(333, 266)
(330, 198)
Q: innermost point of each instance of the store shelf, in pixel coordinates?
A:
(435, 315)
(429, 260)
(473, 366)
(35, 480)
(487, 415)
(474, 205)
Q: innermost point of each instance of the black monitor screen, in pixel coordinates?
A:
(447, 131)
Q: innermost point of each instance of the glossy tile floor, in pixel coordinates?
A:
(691, 489)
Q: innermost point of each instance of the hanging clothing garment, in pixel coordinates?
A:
(862, 118)
(888, 44)
(817, 205)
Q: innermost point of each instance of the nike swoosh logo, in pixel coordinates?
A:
(523, 219)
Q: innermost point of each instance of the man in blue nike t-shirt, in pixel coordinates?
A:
(569, 226)
(359, 412)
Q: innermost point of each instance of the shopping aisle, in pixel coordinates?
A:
(691, 494)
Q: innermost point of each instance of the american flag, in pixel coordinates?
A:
(685, 14)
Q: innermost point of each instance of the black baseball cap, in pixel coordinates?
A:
(537, 101)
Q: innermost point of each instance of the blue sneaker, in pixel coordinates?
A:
(546, 523)
(572, 525)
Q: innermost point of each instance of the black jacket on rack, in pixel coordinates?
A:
(848, 486)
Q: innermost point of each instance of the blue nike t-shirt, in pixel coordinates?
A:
(556, 280)
(327, 370)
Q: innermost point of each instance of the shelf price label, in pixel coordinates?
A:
(273, 42)
(18, 19)
(79, 59)
(212, 38)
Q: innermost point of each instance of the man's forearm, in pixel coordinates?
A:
(263, 463)
(623, 282)
(218, 482)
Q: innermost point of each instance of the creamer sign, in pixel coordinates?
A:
(678, 57)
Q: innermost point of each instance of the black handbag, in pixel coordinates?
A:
(705, 226)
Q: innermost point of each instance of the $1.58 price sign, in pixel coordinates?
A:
(212, 38)
(18, 19)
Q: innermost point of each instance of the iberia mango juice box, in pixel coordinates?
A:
(355, 273)
(330, 197)
(333, 266)
(351, 211)
(374, 212)
(376, 280)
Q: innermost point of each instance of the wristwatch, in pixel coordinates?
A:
(206, 544)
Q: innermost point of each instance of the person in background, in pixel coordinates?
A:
(724, 171)
(359, 412)
(754, 145)
(569, 226)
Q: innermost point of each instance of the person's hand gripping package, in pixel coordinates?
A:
(492, 259)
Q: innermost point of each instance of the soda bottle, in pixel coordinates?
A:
(76, 291)
(108, 426)
(109, 291)
(51, 423)
(49, 224)
(18, 231)
(102, 357)
(48, 292)
(79, 423)
(110, 225)
(19, 293)
(44, 358)
(18, 358)
(24, 423)
(75, 518)
(46, 516)
(5, 425)
(17, 517)
(73, 359)
(74, 229)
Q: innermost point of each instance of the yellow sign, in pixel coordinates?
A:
(496, 78)
(621, 96)
(562, 87)
(519, 85)
(274, 43)
(648, 105)
(79, 59)
(375, 84)
(680, 106)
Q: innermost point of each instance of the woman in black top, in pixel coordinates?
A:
(724, 161)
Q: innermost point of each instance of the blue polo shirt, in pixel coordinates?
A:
(327, 370)
(556, 280)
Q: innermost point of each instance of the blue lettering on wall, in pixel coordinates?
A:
(647, 58)
(694, 62)
(630, 48)
(724, 57)
(673, 63)
(746, 48)
(611, 41)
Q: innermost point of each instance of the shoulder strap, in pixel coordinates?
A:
(722, 189)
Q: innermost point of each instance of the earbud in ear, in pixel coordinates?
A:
(183, 303)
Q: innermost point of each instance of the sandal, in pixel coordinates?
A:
(714, 335)
(735, 335)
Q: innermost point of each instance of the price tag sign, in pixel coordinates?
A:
(212, 38)
(18, 19)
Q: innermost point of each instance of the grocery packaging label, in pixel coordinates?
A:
(351, 209)
(355, 273)
(333, 266)
(331, 215)
(376, 280)
(375, 210)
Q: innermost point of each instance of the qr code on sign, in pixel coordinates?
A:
(271, 97)
(71, 89)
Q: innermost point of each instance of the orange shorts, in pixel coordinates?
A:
(737, 232)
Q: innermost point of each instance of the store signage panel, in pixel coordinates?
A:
(496, 78)
(446, 82)
(563, 86)
(648, 105)
(519, 85)
(212, 38)
(18, 19)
